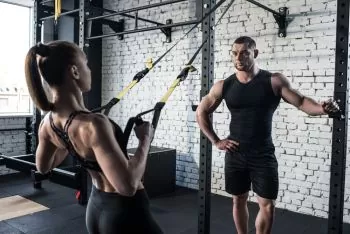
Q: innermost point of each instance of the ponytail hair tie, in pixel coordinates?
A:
(42, 49)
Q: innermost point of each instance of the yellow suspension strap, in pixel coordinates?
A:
(181, 77)
(58, 9)
(150, 65)
(159, 105)
(107, 108)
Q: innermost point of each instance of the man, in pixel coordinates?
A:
(252, 95)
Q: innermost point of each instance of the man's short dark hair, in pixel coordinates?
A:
(246, 40)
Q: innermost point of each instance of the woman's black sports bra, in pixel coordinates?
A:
(63, 134)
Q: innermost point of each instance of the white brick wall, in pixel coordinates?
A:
(12, 142)
(305, 56)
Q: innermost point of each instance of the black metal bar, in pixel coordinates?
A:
(136, 9)
(340, 124)
(62, 14)
(82, 24)
(264, 7)
(93, 50)
(205, 157)
(24, 156)
(142, 19)
(136, 17)
(29, 134)
(59, 171)
(17, 163)
(145, 29)
(46, 1)
(76, 23)
(12, 129)
(37, 14)
(65, 178)
(129, 16)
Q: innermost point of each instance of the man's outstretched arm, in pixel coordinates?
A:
(282, 86)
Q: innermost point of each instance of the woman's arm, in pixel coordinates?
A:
(124, 175)
(47, 155)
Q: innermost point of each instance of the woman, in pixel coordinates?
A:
(118, 202)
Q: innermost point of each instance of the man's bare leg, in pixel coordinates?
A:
(240, 213)
(264, 219)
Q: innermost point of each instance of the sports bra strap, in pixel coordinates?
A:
(63, 135)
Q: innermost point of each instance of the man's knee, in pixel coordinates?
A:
(240, 200)
(267, 205)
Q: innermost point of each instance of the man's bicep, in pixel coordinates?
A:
(292, 96)
(212, 104)
(281, 86)
(211, 101)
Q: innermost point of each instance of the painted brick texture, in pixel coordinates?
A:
(12, 142)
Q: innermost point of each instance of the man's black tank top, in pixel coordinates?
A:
(63, 135)
(252, 106)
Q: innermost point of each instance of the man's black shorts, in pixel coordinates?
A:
(252, 167)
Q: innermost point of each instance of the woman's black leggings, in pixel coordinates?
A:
(117, 214)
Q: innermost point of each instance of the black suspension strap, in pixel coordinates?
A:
(107, 107)
(181, 77)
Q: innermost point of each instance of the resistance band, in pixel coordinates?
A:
(181, 77)
(107, 107)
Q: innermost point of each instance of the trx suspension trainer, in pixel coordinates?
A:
(107, 107)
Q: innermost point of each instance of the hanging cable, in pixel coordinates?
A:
(107, 107)
(181, 77)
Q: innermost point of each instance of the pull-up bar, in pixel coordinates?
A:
(62, 14)
(145, 29)
(127, 15)
(136, 9)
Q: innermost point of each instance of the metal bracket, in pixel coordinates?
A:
(282, 21)
(46, 10)
(116, 26)
(167, 31)
(280, 17)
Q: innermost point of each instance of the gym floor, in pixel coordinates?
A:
(176, 213)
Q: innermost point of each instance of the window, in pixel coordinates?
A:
(15, 41)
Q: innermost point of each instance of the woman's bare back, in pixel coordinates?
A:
(79, 133)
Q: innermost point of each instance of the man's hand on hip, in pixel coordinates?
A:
(227, 145)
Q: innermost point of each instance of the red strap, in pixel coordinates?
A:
(77, 194)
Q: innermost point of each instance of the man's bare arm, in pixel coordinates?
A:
(207, 106)
(295, 98)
